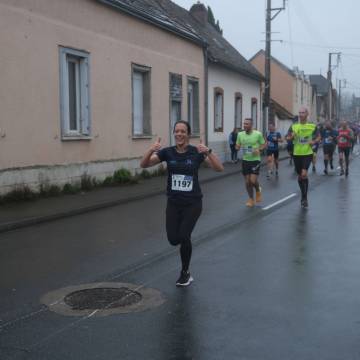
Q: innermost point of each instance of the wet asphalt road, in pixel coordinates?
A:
(269, 284)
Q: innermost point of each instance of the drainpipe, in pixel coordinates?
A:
(206, 93)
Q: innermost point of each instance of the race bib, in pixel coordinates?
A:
(304, 140)
(181, 182)
(342, 140)
(248, 150)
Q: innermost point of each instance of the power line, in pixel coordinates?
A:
(353, 84)
(352, 55)
(297, 43)
(308, 23)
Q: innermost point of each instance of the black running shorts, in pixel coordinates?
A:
(345, 150)
(302, 162)
(251, 167)
(329, 149)
(273, 152)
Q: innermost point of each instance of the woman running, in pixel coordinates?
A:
(345, 136)
(184, 203)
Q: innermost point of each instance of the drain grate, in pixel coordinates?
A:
(102, 298)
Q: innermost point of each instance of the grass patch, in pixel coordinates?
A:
(71, 188)
(23, 193)
(122, 176)
(87, 183)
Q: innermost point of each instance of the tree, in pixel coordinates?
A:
(217, 27)
(213, 22)
(211, 17)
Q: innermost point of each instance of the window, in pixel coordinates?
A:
(254, 112)
(175, 88)
(74, 93)
(297, 89)
(218, 109)
(238, 111)
(193, 105)
(141, 101)
(302, 91)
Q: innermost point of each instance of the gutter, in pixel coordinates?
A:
(206, 94)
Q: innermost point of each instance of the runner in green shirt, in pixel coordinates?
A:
(304, 135)
(252, 142)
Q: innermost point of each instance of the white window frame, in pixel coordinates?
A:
(254, 108)
(81, 59)
(218, 112)
(193, 105)
(146, 101)
(238, 114)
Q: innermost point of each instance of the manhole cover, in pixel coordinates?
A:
(102, 298)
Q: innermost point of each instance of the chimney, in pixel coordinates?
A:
(199, 12)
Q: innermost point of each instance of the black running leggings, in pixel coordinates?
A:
(180, 222)
(302, 162)
(234, 152)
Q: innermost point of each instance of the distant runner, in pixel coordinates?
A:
(315, 148)
(273, 139)
(328, 138)
(290, 150)
(305, 135)
(344, 140)
(232, 144)
(252, 142)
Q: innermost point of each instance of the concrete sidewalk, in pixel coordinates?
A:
(22, 214)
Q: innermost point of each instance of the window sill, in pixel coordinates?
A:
(139, 137)
(195, 136)
(76, 138)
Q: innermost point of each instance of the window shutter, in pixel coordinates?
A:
(138, 103)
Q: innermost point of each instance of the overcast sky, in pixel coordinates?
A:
(309, 29)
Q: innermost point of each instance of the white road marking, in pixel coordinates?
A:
(279, 202)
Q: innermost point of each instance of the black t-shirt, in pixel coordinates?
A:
(183, 182)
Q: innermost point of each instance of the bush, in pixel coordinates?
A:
(20, 194)
(49, 190)
(96, 182)
(145, 174)
(122, 176)
(71, 189)
(86, 182)
(108, 181)
(135, 179)
(54, 190)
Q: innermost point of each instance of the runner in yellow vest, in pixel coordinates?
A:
(304, 135)
(252, 142)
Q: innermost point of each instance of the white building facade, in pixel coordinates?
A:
(233, 97)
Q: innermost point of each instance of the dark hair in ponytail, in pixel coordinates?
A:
(185, 123)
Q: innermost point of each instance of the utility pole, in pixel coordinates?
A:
(339, 104)
(329, 75)
(267, 114)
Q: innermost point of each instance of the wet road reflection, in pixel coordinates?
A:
(179, 341)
